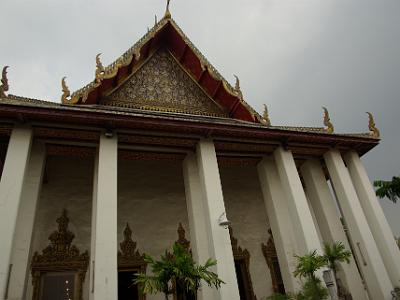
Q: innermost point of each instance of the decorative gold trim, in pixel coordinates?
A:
(374, 131)
(4, 80)
(270, 255)
(240, 254)
(60, 256)
(327, 121)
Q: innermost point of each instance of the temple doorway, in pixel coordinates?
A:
(127, 290)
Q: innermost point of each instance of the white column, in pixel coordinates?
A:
(330, 226)
(11, 184)
(305, 231)
(219, 240)
(376, 219)
(105, 231)
(280, 220)
(25, 221)
(370, 261)
(199, 239)
(93, 228)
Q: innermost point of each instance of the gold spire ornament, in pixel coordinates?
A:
(65, 90)
(372, 127)
(4, 82)
(266, 119)
(99, 69)
(155, 20)
(327, 121)
(167, 14)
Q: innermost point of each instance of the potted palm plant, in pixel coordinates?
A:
(177, 270)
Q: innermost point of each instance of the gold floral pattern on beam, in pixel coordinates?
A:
(162, 85)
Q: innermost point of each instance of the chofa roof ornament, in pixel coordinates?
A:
(372, 127)
(99, 74)
(237, 87)
(65, 97)
(266, 119)
(167, 14)
(4, 83)
(327, 121)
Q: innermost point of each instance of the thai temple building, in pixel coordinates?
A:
(159, 148)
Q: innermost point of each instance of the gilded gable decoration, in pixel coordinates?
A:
(60, 256)
(162, 85)
(327, 121)
(4, 82)
(374, 131)
(167, 34)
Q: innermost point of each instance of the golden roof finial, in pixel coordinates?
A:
(327, 121)
(266, 119)
(155, 20)
(65, 90)
(99, 69)
(237, 87)
(167, 14)
(372, 127)
(4, 82)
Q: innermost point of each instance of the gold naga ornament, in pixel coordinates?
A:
(266, 118)
(372, 127)
(4, 83)
(327, 121)
(237, 87)
(66, 92)
(100, 71)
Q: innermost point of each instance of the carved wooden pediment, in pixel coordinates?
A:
(162, 85)
(240, 254)
(60, 256)
(271, 257)
(128, 255)
(182, 238)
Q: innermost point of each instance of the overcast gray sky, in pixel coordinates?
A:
(294, 55)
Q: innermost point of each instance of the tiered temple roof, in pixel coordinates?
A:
(163, 82)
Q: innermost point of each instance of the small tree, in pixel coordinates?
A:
(389, 189)
(335, 254)
(177, 268)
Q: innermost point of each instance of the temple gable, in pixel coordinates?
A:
(162, 85)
